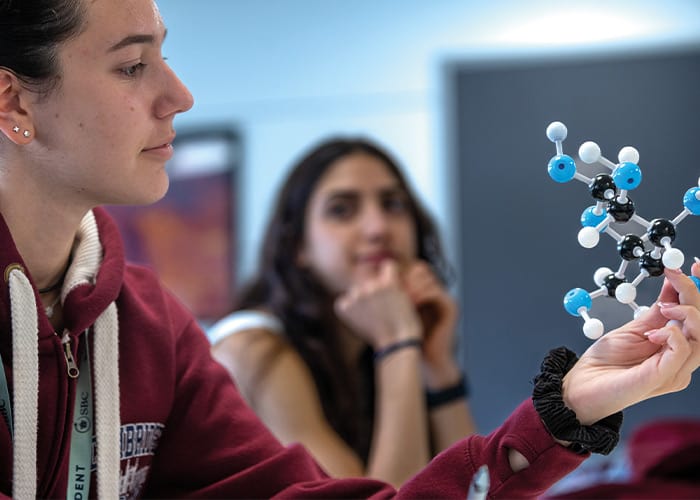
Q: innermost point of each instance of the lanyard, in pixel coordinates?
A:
(5, 403)
(79, 470)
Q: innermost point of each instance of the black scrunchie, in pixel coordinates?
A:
(561, 421)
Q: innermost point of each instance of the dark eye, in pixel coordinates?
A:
(133, 70)
(395, 204)
(340, 209)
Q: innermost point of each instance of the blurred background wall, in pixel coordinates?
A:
(285, 73)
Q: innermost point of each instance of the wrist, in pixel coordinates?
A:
(560, 420)
(455, 392)
(437, 376)
(580, 410)
(381, 339)
(389, 349)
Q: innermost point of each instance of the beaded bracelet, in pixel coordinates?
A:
(561, 421)
(384, 352)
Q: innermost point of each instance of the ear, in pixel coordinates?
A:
(15, 122)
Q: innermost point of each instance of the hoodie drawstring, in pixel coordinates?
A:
(107, 402)
(25, 367)
(87, 257)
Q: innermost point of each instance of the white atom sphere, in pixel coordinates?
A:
(600, 275)
(593, 328)
(625, 293)
(588, 237)
(589, 152)
(640, 310)
(556, 131)
(673, 258)
(628, 153)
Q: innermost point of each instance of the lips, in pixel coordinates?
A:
(160, 153)
(376, 258)
(163, 151)
(164, 145)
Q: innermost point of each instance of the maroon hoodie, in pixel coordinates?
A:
(186, 431)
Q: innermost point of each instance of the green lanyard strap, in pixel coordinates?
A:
(5, 403)
(80, 468)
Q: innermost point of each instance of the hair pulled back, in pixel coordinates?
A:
(30, 33)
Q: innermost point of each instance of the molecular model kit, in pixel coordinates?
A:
(653, 249)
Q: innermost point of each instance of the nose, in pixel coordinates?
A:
(175, 98)
(374, 222)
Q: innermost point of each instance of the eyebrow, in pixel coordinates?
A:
(133, 40)
(350, 193)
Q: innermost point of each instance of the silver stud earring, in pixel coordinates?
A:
(26, 133)
(15, 129)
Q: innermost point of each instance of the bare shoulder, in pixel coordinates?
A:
(265, 366)
(279, 386)
(247, 353)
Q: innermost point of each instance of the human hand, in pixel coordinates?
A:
(652, 355)
(438, 313)
(379, 309)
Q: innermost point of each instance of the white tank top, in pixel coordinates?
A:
(239, 321)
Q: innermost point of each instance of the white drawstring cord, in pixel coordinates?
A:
(25, 365)
(107, 402)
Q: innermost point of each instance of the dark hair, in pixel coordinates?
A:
(304, 306)
(30, 31)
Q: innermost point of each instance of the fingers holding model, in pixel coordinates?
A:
(652, 355)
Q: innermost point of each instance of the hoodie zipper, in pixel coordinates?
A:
(71, 365)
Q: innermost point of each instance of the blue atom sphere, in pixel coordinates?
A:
(691, 202)
(561, 168)
(696, 281)
(575, 299)
(627, 175)
(590, 219)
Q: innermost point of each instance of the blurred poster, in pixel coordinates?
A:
(188, 237)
